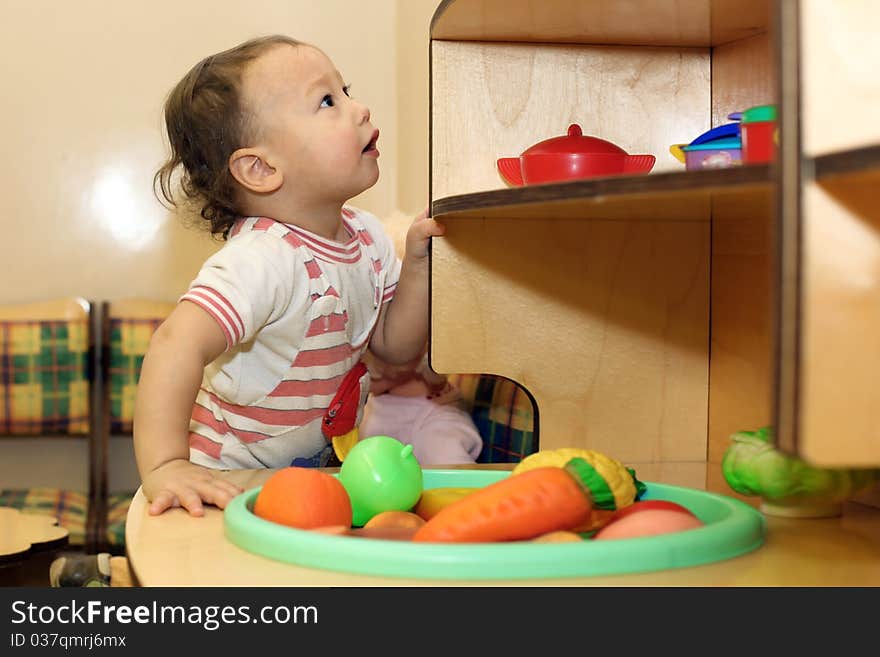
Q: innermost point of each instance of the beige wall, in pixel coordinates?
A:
(84, 82)
(83, 86)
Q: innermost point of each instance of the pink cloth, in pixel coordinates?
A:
(441, 434)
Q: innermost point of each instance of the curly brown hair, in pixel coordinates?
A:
(206, 124)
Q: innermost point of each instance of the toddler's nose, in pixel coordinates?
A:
(363, 113)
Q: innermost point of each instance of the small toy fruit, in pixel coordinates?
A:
(304, 498)
(434, 499)
(395, 519)
(380, 474)
(649, 518)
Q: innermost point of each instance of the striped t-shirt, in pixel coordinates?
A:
(297, 311)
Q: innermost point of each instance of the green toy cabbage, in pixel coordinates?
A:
(752, 466)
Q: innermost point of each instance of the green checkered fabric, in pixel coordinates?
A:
(117, 509)
(70, 508)
(44, 377)
(503, 414)
(129, 339)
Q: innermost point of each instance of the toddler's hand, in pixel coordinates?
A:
(422, 229)
(181, 483)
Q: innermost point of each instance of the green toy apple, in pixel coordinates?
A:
(380, 474)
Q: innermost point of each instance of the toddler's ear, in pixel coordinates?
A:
(249, 167)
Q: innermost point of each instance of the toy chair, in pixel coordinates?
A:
(48, 390)
(504, 414)
(127, 326)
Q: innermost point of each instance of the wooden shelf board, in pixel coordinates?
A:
(854, 162)
(663, 195)
(681, 23)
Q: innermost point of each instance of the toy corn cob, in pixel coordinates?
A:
(612, 485)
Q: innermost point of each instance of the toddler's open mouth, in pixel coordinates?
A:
(371, 146)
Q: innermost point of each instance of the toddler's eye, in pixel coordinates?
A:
(327, 101)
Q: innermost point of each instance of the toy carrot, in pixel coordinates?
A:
(517, 508)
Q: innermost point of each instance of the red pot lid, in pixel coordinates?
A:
(574, 142)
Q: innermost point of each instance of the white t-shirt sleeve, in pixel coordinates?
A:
(390, 262)
(245, 285)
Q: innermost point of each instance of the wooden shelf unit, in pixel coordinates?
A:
(650, 317)
(857, 163)
(611, 197)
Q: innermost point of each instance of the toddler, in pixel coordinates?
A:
(417, 406)
(259, 364)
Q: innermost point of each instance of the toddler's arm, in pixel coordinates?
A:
(170, 378)
(402, 330)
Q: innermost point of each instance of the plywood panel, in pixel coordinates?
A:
(743, 75)
(492, 100)
(839, 54)
(840, 350)
(647, 22)
(741, 373)
(604, 322)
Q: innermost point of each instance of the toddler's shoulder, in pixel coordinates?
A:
(254, 250)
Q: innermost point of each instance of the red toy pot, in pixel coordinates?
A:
(571, 157)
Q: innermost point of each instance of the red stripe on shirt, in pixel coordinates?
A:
(293, 239)
(236, 228)
(313, 269)
(272, 416)
(263, 223)
(347, 249)
(323, 357)
(226, 309)
(326, 257)
(205, 446)
(210, 310)
(389, 292)
(205, 417)
(295, 388)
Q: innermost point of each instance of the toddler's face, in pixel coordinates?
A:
(322, 139)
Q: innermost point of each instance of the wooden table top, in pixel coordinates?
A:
(24, 533)
(174, 549)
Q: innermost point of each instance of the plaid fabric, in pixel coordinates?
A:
(129, 339)
(117, 508)
(70, 508)
(44, 377)
(502, 413)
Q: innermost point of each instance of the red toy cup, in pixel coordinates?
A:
(759, 134)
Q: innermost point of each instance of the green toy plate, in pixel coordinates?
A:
(731, 528)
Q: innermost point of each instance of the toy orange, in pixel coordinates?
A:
(395, 519)
(304, 498)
